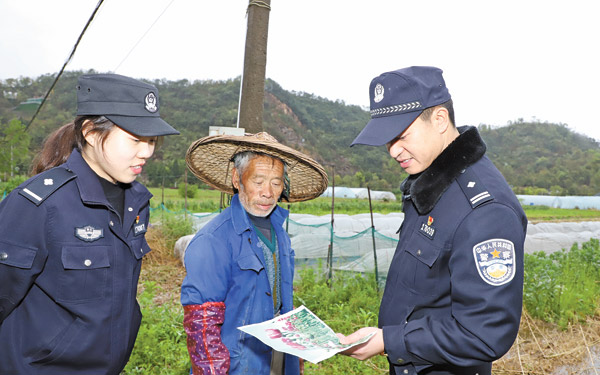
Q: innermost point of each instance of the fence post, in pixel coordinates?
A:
(373, 236)
(330, 250)
(185, 205)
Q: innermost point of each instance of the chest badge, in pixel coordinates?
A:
(495, 261)
(88, 233)
(427, 229)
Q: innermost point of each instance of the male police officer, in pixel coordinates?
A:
(453, 298)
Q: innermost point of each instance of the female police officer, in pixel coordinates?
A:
(72, 237)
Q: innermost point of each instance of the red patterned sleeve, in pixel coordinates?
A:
(202, 325)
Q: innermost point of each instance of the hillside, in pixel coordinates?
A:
(535, 157)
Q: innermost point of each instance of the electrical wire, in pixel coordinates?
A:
(66, 63)
(144, 35)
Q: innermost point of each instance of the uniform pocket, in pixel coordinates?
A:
(16, 256)
(58, 346)
(421, 268)
(85, 273)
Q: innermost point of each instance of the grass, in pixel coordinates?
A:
(545, 213)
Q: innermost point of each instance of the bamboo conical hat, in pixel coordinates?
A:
(210, 159)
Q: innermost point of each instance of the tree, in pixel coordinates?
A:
(14, 146)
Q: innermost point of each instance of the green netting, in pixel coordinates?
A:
(352, 239)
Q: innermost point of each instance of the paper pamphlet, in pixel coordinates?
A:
(300, 333)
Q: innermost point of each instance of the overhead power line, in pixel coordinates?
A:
(66, 62)
(144, 35)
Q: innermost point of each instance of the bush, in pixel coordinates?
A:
(11, 184)
(563, 287)
(161, 346)
(192, 190)
(172, 226)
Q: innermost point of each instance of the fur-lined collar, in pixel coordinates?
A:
(426, 188)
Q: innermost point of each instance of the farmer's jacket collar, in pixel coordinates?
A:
(426, 188)
(241, 221)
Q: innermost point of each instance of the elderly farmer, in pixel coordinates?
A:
(240, 265)
(453, 297)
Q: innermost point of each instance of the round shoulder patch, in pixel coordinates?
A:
(495, 261)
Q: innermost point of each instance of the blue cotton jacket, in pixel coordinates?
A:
(69, 271)
(453, 298)
(224, 263)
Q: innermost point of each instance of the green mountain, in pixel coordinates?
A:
(538, 158)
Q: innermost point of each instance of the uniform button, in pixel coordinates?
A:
(141, 250)
(3, 256)
(129, 209)
(87, 262)
(268, 294)
(405, 371)
(111, 223)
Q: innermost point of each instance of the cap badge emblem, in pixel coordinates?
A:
(378, 93)
(151, 102)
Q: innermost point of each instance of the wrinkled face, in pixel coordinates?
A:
(260, 186)
(417, 147)
(122, 156)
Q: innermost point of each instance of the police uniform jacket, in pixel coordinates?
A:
(69, 267)
(225, 263)
(453, 298)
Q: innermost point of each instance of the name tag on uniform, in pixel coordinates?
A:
(427, 228)
(139, 229)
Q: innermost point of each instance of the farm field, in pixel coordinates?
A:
(557, 336)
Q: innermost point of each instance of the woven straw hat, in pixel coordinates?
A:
(209, 159)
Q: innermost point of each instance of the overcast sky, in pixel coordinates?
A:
(502, 60)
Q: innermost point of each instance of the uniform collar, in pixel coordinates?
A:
(426, 188)
(241, 221)
(89, 186)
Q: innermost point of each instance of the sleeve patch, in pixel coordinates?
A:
(495, 261)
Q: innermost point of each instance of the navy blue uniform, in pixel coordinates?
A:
(69, 268)
(453, 298)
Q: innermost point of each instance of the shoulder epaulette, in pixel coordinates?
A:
(46, 183)
(473, 188)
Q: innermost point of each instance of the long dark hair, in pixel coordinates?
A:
(60, 143)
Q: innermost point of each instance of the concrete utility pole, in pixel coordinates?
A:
(252, 94)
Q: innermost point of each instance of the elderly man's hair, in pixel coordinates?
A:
(242, 159)
(427, 112)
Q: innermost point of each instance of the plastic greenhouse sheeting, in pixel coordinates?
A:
(362, 193)
(352, 238)
(340, 192)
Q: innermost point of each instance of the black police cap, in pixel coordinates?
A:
(130, 104)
